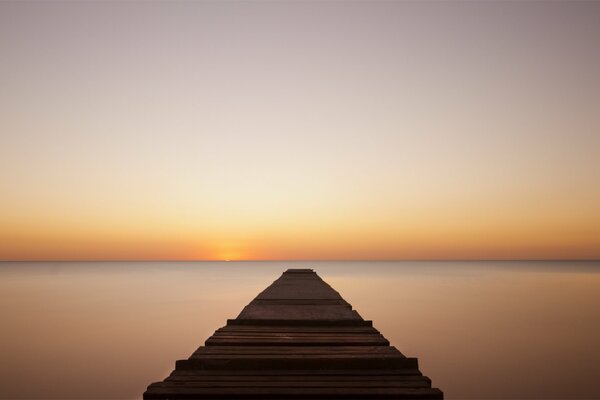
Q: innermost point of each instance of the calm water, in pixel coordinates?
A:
(480, 329)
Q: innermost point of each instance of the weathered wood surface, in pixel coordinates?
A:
(298, 339)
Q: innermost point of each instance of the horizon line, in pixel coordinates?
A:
(319, 260)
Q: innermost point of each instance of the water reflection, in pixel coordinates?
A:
(480, 330)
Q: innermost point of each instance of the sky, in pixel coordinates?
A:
(299, 130)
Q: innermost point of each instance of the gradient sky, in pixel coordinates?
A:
(306, 130)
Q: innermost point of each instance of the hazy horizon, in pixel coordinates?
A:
(310, 260)
(299, 130)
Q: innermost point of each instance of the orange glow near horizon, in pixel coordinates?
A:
(419, 239)
(228, 131)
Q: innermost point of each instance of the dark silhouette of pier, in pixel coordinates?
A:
(298, 339)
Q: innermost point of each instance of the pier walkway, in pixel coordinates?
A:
(298, 339)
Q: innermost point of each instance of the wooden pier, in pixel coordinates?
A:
(298, 339)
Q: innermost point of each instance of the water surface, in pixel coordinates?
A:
(480, 329)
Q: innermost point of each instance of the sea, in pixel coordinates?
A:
(480, 329)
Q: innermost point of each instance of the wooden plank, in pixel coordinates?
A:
(285, 351)
(264, 312)
(308, 329)
(303, 302)
(295, 384)
(296, 340)
(299, 372)
(201, 376)
(183, 391)
(302, 322)
(275, 333)
(296, 361)
(296, 334)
